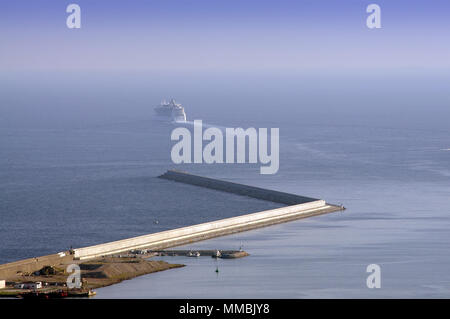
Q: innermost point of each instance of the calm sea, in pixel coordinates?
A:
(79, 157)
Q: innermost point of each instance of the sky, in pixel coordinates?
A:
(219, 35)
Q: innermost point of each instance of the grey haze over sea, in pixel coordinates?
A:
(79, 156)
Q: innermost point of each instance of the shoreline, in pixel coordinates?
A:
(95, 273)
(99, 272)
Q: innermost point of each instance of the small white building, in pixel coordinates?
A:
(2, 284)
(32, 285)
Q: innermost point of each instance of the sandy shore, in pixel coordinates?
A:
(95, 273)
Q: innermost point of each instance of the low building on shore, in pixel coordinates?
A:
(29, 285)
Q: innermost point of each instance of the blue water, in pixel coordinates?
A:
(82, 170)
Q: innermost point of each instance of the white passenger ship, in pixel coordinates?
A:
(171, 110)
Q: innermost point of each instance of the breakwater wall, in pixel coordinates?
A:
(189, 234)
(299, 207)
(235, 188)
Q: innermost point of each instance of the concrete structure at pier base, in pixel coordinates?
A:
(300, 207)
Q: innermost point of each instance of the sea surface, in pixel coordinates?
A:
(80, 156)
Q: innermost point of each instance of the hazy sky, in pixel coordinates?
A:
(223, 35)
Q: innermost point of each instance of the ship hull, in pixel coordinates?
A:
(177, 115)
(163, 111)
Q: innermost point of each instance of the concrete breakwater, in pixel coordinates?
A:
(300, 207)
